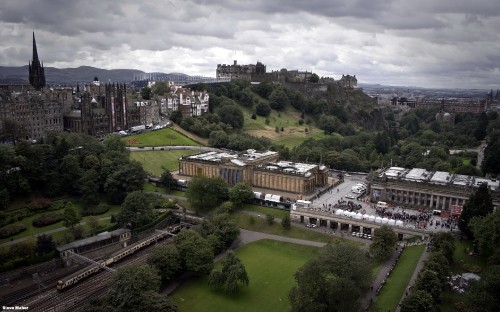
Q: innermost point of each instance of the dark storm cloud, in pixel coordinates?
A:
(425, 42)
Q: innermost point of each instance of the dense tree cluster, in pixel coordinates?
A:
(384, 242)
(479, 204)
(334, 280)
(69, 163)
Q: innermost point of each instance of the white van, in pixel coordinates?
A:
(382, 204)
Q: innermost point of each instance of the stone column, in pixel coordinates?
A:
(372, 231)
(361, 229)
(339, 226)
(328, 224)
(350, 228)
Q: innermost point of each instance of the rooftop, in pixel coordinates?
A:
(239, 159)
(89, 240)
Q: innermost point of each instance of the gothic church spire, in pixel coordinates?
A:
(36, 70)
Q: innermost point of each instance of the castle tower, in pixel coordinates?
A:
(36, 70)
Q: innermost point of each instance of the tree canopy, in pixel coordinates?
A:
(167, 261)
(137, 210)
(384, 242)
(205, 193)
(240, 193)
(479, 204)
(231, 275)
(195, 252)
(334, 280)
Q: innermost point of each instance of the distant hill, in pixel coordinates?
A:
(73, 75)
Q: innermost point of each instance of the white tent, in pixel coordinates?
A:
(391, 222)
(339, 212)
(399, 223)
(378, 220)
(358, 216)
(385, 220)
(371, 218)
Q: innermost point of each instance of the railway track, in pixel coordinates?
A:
(95, 286)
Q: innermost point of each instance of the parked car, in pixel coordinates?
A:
(350, 196)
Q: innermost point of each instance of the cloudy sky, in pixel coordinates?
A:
(427, 43)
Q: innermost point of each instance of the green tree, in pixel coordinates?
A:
(486, 232)
(160, 88)
(314, 78)
(195, 252)
(429, 282)
(417, 301)
(438, 263)
(71, 216)
(127, 178)
(44, 244)
(278, 99)
(483, 295)
(206, 193)
(231, 114)
(129, 283)
(334, 280)
(146, 93)
(240, 193)
(263, 109)
(89, 187)
(232, 274)
(270, 219)
(285, 222)
(93, 223)
(479, 205)
(167, 180)
(482, 125)
(218, 139)
(443, 242)
(384, 242)
(491, 161)
(167, 261)
(137, 210)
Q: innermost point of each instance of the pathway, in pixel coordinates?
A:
(418, 268)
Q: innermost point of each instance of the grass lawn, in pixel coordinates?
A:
(277, 213)
(270, 266)
(153, 162)
(391, 294)
(261, 225)
(163, 137)
(31, 230)
(460, 257)
(293, 134)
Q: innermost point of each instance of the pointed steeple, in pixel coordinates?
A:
(36, 70)
(35, 52)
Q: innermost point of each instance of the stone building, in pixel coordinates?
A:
(185, 100)
(454, 105)
(100, 109)
(348, 81)
(36, 72)
(34, 113)
(261, 170)
(239, 71)
(418, 188)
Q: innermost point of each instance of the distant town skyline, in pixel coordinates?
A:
(427, 43)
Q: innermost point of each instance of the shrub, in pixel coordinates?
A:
(301, 121)
(11, 230)
(14, 216)
(473, 268)
(40, 204)
(95, 211)
(270, 219)
(47, 219)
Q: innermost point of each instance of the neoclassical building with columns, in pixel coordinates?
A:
(419, 188)
(259, 169)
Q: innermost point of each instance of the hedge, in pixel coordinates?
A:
(14, 216)
(47, 219)
(95, 211)
(11, 230)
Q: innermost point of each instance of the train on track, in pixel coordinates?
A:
(74, 278)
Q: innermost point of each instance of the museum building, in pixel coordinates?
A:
(259, 169)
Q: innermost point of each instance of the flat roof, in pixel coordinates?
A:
(441, 177)
(89, 240)
(236, 158)
(290, 167)
(418, 174)
(394, 172)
